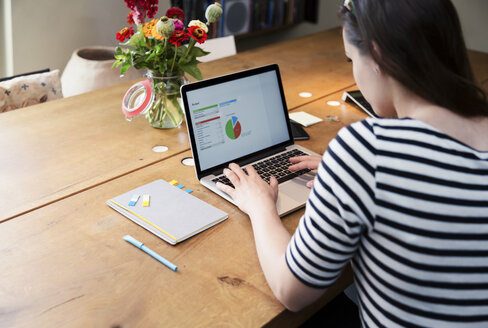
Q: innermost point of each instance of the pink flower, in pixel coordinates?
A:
(139, 16)
(179, 26)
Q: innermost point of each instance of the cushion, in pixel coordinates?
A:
(29, 90)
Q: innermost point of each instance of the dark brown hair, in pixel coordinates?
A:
(421, 46)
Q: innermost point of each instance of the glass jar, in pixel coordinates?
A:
(158, 98)
(166, 110)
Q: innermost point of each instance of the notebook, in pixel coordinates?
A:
(243, 118)
(172, 214)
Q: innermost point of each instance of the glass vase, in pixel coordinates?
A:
(166, 109)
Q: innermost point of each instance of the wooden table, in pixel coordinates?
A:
(63, 260)
(57, 149)
(66, 264)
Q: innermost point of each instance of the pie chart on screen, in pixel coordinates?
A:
(233, 128)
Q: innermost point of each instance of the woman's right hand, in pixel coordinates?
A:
(305, 162)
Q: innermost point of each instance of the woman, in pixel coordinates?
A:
(404, 197)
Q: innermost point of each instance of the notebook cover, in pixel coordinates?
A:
(173, 214)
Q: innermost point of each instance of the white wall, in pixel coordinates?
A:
(45, 32)
(474, 20)
(6, 51)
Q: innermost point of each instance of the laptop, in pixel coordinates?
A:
(243, 118)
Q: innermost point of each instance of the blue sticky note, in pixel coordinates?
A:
(134, 200)
(180, 186)
(188, 190)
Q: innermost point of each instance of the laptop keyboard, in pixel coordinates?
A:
(276, 166)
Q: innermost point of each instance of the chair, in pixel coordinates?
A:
(2, 79)
(218, 48)
(29, 89)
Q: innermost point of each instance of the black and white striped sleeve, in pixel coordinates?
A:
(340, 208)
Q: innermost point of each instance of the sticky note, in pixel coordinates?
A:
(188, 190)
(173, 182)
(180, 186)
(304, 118)
(134, 200)
(145, 200)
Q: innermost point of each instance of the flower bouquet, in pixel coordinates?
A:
(168, 50)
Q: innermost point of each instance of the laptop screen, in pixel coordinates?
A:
(236, 115)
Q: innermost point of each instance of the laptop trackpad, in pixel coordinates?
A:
(293, 194)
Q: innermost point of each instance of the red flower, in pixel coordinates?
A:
(178, 37)
(130, 19)
(124, 33)
(175, 12)
(151, 8)
(197, 33)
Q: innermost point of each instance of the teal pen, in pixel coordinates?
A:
(142, 247)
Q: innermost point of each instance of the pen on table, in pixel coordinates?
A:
(142, 247)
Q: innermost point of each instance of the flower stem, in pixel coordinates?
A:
(147, 44)
(164, 47)
(174, 59)
(190, 46)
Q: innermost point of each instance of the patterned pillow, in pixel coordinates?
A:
(29, 90)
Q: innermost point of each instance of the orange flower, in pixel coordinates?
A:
(130, 18)
(150, 31)
(147, 28)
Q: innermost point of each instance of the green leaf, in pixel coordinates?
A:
(182, 51)
(158, 49)
(163, 66)
(192, 69)
(125, 66)
(134, 40)
(151, 56)
(118, 51)
(186, 60)
(139, 60)
(116, 64)
(198, 52)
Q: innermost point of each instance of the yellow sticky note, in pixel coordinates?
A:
(173, 182)
(145, 200)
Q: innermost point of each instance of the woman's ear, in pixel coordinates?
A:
(376, 57)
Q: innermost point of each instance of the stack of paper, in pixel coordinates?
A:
(304, 118)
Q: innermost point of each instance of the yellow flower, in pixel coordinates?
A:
(199, 24)
(147, 29)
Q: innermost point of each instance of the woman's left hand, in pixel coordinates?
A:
(251, 193)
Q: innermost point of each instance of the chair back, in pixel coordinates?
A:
(29, 89)
(218, 48)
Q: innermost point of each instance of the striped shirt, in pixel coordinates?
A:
(408, 206)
